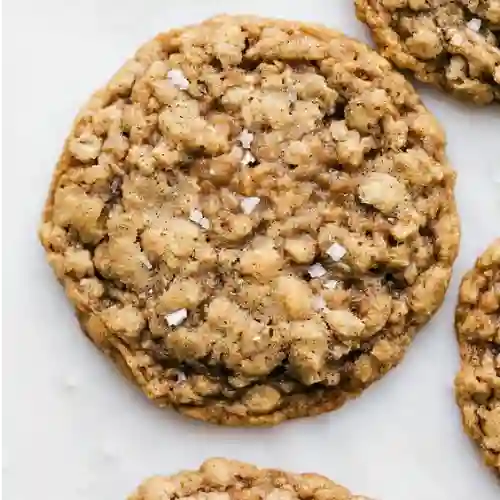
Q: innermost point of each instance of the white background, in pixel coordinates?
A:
(73, 428)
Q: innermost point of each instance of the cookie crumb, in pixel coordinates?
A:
(474, 24)
(197, 217)
(248, 205)
(336, 252)
(245, 139)
(176, 318)
(177, 79)
(316, 271)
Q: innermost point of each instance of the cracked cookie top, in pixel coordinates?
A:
(454, 44)
(478, 328)
(221, 479)
(253, 218)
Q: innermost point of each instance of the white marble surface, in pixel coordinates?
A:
(73, 429)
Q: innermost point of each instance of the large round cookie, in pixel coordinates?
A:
(478, 327)
(221, 479)
(453, 44)
(253, 218)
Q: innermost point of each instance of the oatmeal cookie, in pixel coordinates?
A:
(221, 479)
(253, 219)
(452, 44)
(478, 327)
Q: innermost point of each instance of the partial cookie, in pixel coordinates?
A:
(253, 219)
(478, 327)
(452, 44)
(220, 479)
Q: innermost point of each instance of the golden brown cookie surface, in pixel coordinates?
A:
(221, 479)
(478, 328)
(253, 219)
(453, 44)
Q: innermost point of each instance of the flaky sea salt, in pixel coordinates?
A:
(177, 317)
(245, 139)
(336, 252)
(318, 303)
(248, 158)
(474, 24)
(249, 204)
(205, 223)
(316, 271)
(331, 284)
(177, 79)
(197, 217)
